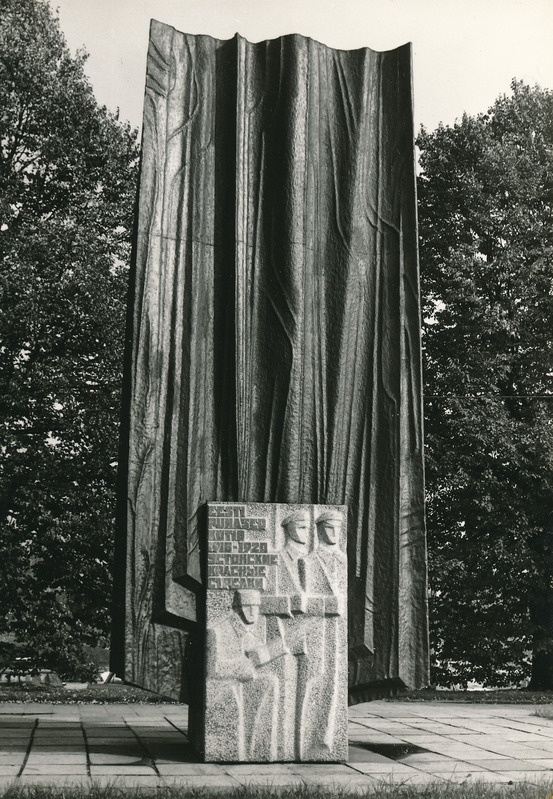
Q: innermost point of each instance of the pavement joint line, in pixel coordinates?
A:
(184, 735)
(144, 748)
(86, 748)
(29, 747)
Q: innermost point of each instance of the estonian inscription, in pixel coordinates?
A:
(234, 559)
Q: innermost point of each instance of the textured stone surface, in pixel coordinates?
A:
(274, 350)
(276, 648)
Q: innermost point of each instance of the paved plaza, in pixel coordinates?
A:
(147, 745)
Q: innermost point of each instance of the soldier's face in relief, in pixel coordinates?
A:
(329, 531)
(298, 530)
(250, 613)
(246, 604)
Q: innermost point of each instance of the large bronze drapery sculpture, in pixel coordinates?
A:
(274, 347)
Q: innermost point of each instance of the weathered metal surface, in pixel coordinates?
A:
(275, 347)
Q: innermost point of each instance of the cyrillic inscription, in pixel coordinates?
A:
(234, 559)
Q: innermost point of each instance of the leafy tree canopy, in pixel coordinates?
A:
(486, 246)
(67, 184)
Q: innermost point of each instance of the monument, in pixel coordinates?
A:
(273, 357)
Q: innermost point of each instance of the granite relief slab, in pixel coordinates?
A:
(276, 642)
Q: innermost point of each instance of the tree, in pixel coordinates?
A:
(67, 184)
(486, 246)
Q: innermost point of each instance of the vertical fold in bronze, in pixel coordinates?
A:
(274, 346)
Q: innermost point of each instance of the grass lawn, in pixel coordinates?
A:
(93, 694)
(505, 695)
(117, 692)
(384, 791)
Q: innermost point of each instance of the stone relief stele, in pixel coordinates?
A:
(276, 642)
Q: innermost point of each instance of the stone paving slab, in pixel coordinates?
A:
(147, 746)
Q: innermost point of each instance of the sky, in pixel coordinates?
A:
(465, 52)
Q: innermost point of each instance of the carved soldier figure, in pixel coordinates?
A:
(327, 561)
(326, 567)
(238, 674)
(313, 583)
(286, 622)
(291, 574)
(291, 588)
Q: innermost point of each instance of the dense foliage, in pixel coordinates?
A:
(67, 183)
(486, 237)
